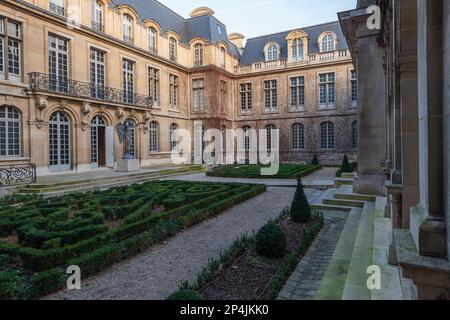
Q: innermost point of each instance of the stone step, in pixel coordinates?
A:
(342, 181)
(344, 203)
(348, 175)
(318, 206)
(332, 284)
(354, 196)
(362, 257)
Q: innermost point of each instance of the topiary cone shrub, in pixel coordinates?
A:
(185, 295)
(315, 161)
(271, 241)
(346, 167)
(300, 209)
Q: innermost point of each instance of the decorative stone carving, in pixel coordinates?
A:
(41, 104)
(120, 112)
(85, 111)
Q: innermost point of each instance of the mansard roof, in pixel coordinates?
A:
(254, 48)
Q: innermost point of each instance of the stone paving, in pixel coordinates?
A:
(305, 280)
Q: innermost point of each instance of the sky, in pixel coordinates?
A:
(254, 18)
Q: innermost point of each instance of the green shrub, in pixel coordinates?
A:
(46, 282)
(346, 167)
(185, 295)
(300, 209)
(97, 260)
(12, 284)
(315, 161)
(271, 241)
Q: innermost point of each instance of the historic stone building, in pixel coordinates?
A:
(70, 70)
(404, 124)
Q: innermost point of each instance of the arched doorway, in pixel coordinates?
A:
(59, 142)
(98, 145)
(131, 124)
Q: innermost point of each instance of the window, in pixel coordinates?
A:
(10, 50)
(97, 128)
(58, 61)
(57, 7)
(173, 91)
(224, 95)
(297, 93)
(59, 141)
(326, 85)
(10, 132)
(272, 53)
(153, 84)
(127, 28)
(270, 128)
(97, 63)
(354, 134)
(354, 85)
(246, 138)
(128, 81)
(172, 49)
(219, 29)
(327, 135)
(152, 36)
(298, 136)
(154, 136)
(297, 50)
(222, 57)
(270, 95)
(173, 131)
(327, 44)
(199, 95)
(97, 15)
(198, 55)
(246, 97)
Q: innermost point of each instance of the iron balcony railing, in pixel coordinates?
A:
(97, 26)
(56, 9)
(40, 82)
(14, 175)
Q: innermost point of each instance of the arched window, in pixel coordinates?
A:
(298, 136)
(327, 44)
(98, 126)
(223, 54)
(272, 53)
(10, 128)
(327, 135)
(131, 124)
(173, 49)
(59, 140)
(127, 28)
(173, 138)
(354, 134)
(297, 50)
(271, 135)
(198, 54)
(97, 15)
(154, 136)
(152, 39)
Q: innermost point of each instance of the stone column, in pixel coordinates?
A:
(429, 215)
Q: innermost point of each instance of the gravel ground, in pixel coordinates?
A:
(159, 271)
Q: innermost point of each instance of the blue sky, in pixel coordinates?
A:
(259, 17)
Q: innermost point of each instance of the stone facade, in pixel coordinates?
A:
(75, 107)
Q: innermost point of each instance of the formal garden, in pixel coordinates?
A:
(286, 171)
(41, 237)
(256, 267)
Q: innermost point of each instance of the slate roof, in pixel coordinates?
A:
(254, 48)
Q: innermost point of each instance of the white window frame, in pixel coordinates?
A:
(173, 91)
(327, 89)
(97, 15)
(298, 136)
(246, 93)
(154, 137)
(11, 42)
(299, 87)
(152, 40)
(270, 88)
(127, 28)
(198, 94)
(15, 122)
(198, 55)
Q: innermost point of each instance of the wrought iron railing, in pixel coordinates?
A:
(40, 82)
(96, 25)
(57, 9)
(14, 175)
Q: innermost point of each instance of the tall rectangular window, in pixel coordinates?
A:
(173, 91)
(57, 7)
(10, 50)
(199, 95)
(58, 60)
(246, 97)
(128, 81)
(153, 84)
(97, 64)
(97, 15)
(297, 93)
(270, 96)
(327, 88)
(354, 85)
(224, 95)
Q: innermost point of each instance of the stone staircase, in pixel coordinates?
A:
(363, 242)
(65, 186)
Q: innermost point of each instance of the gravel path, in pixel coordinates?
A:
(159, 271)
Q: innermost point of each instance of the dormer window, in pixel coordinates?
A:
(272, 53)
(127, 28)
(297, 50)
(173, 49)
(328, 43)
(57, 7)
(219, 29)
(198, 54)
(152, 36)
(222, 57)
(97, 15)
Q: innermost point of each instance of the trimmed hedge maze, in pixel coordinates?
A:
(40, 237)
(286, 171)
